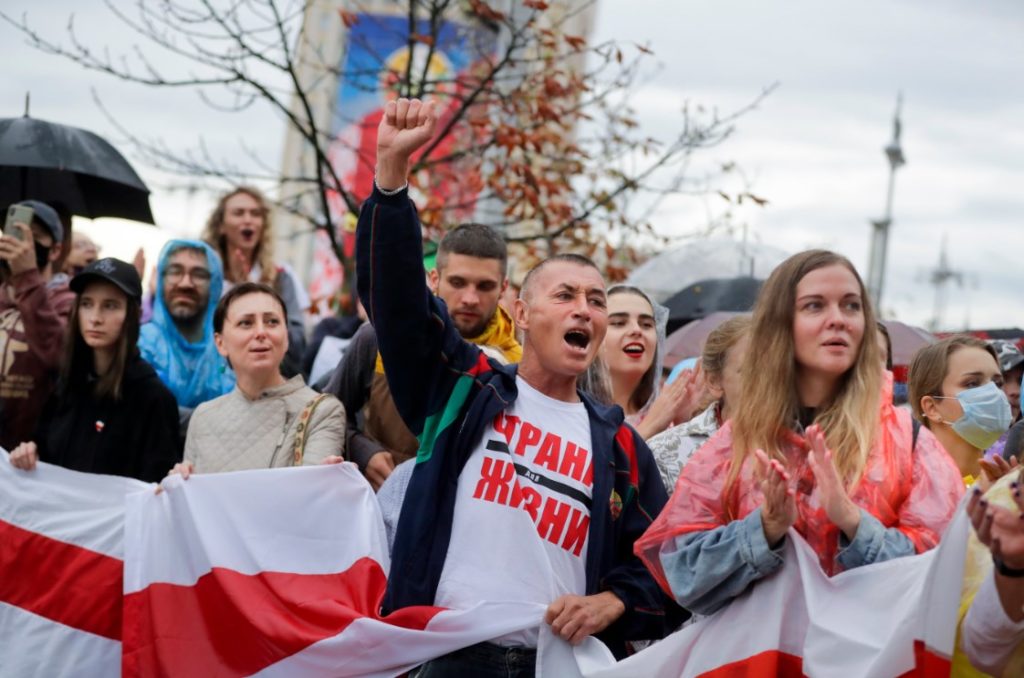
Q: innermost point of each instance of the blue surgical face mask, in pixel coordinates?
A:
(986, 415)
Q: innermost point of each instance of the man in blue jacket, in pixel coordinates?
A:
(524, 489)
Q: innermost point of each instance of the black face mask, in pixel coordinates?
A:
(42, 256)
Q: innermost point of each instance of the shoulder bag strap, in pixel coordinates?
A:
(302, 432)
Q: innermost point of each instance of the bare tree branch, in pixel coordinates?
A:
(539, 135)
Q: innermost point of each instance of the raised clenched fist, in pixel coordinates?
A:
(407, 125)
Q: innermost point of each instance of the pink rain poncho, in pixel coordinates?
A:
(915, 491)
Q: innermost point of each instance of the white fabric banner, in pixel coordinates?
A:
(896, 618)
(281, 573)
(61, 546)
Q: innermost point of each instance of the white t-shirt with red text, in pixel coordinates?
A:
(522, 510)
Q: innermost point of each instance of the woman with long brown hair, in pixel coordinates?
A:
(241, 231)
(816, 446)
(111, 413)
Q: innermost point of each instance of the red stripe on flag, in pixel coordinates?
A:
(233, 624)
(60, 581)
(928, 663)
(771, 663)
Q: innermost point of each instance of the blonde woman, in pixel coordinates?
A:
(721, 363)
(816, 446)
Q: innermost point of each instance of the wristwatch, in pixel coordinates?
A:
(1002, 569)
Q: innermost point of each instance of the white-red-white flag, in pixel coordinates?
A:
(273, 573)
(278, 573)
(61, 551)
(896, 618)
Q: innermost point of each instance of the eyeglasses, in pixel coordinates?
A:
(175, 274)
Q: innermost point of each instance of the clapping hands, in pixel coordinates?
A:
(678, 402)
(778, 512)
(838, 506)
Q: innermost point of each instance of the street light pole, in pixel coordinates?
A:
(880, 227)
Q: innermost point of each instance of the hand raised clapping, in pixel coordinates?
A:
(678, 402)
(994, 469)
(778, 512)
(838, 506)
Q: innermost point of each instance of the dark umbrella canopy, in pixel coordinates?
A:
(710, 296)
(60, 164)
(907, 340)
(688, 340)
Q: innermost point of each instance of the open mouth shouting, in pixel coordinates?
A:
(578, 340)
(634, 350)
(247, 234)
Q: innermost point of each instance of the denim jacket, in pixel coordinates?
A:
(708, 569)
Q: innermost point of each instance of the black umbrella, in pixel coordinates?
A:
(60, 164)
(708, 296)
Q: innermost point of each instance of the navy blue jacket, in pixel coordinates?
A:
(448, 392)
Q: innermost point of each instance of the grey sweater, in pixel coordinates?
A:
(233, 433)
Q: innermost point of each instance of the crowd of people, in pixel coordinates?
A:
(508, 432)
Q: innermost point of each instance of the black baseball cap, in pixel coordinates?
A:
(120, 273)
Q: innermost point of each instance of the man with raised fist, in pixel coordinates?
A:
(524, 488)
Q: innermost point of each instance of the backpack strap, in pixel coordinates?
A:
(302, 432)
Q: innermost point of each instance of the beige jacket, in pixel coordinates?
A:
(233, 433)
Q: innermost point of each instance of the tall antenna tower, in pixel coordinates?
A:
(880, 232)
(939, 278)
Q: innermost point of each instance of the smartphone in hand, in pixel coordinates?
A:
(17, 214)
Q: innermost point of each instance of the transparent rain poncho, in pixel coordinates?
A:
(914, 491)
(194, 372)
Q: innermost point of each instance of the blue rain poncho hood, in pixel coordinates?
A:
(194, 372)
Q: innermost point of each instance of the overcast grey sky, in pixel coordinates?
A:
(813, 148)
